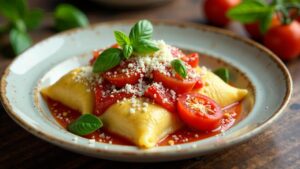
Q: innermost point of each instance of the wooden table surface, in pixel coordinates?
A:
(277, 147)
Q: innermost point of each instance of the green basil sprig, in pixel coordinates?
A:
(19, 40)
(139, 42)
(139, 39)
(85, 124)
(223, 73)
(67, 16)
(20, 19)
(142, 30)
(250, 11)
(179, 67)
(108, 59)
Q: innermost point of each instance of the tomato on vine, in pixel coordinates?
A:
(215, 10)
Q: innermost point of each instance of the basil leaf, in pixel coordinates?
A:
(19, 40)
(142, 30)
(67, 16)
(108, 59)
(248, 11)
(20, 25)
(127, 51)
(13, 9)
(179, 67)
(121, 38)
(265, 21)
(223, 73)
(85, 124)
(145, 46)
(33, 18)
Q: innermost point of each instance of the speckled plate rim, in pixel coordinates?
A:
(177, 152)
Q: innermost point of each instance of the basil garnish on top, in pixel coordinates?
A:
(142, 30)
(108, 59)
(85, 124)
(179, 67)
(138, 42)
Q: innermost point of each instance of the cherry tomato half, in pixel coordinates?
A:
(284, 40)
(215, 10)
(122, 75)
(199, 112)
(103, 102)
(192, 59)
(161, 96)
(177, 84)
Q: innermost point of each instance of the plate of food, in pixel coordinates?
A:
(145, 91)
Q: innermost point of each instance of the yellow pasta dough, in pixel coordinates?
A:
(72, 92)
(218, 90)
(144, 123)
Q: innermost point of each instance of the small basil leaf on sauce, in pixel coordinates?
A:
(121, 38)
(127, 51)
(179, 67)
(145, 46)
(67, 16)
(85, 124)
(142, 30)
(223, 73)
(108, 59)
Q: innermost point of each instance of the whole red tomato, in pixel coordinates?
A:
(284, 40)
(215, 10)
(253, 28)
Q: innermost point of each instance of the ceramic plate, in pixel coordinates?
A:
(44, 63)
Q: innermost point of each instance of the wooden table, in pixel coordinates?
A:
(277, 147)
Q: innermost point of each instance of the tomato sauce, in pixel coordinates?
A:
(64, 116)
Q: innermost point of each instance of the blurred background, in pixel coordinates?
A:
(274, 24)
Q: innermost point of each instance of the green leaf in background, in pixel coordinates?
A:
(142, 30)
(108, 59)
(179, 67)
(145, 46)
(121, 38)
(20, 25)
(85, 124)
(67, 16)
(249, 11)
(127, 51)
(33, 18)
(223, 73)
(19, 40)
(13, 9)
(266, 21)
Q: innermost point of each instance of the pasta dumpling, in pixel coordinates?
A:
(145, 124)
(72, 92)
(218, 90)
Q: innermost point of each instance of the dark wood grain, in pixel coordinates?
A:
(277, 147)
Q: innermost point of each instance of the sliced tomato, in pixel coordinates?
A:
(122, 75)
(115, 45)
(199, 112)
(103, 102)
(192, 59)
(198, 85)
(161, 96)
(96, 54)
(177, 84)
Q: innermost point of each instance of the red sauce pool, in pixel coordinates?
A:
(64, 116)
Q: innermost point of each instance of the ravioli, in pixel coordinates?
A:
(218, 90)
(144, 126)
(72, 92)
